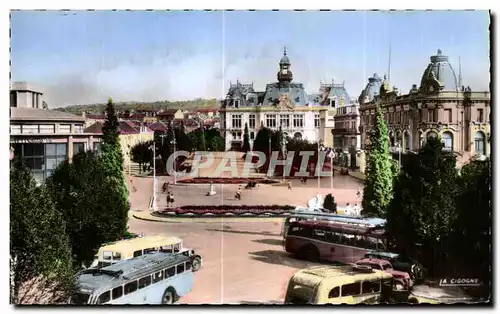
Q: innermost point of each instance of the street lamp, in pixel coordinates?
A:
(317, 165)
(284, 153)
(175, 168)
(154, 174)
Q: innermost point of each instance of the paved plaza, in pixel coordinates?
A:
(244, 261)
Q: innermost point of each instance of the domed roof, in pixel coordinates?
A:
(372, 89)
(284, 59)
(440, 70)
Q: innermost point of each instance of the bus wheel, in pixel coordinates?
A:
(169, 296)
(196, 263)
(312, 254)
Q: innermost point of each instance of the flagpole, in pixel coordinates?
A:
(154, 175)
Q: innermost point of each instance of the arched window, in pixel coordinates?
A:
(431, 134)
(399, 138)
(407, 142)
(297, 136)
(479, 143)
(447, 139)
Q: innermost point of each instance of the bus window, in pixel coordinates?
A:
(150, 250)
(381, 245)
(102, 264)
(180, 268)
(106, 255)
(158, 276)
(360, 242)
(117, 256)
(177, 248)
(166, 249)
(319, 235)
(103, 298)
(188, 265)
(294, 231)
(370, 287)
(169, 272)
(371, 243)
(117, 292)
(137, 253)
(144, 282)
(131, 287)
(351, 289)
(334, 293)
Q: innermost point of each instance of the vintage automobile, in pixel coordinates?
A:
(402, 263)
(402, 280)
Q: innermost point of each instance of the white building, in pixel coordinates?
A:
(284, 104)
(346, 133)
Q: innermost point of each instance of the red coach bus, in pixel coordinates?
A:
(315, 240)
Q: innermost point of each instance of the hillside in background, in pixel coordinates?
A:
(133, 105)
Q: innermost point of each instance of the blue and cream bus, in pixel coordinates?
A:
(155, 278)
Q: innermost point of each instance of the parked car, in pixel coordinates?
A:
(402, 263)
(402, 280)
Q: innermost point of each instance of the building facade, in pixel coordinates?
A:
(440, 106)
(40, 137)
(283, 104)
(346, 133)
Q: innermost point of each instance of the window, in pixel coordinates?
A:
(106, 255)
(480, 116)
(105, 297)
(78, 148)
(298, 121)
(117, 292)
(316, 120)
(251, 121)
(150, 250)
(96, 147)
(370, 287)
(137, 253)
(373, 266)
(236, 119)
(271, 120)
(47, 128)
(431, 115)
(30, 129)
(78, 128)
(479, 143)
(15, 129)
(180, 268)
(431, 134)
(177, 247)
(237, 103)
(319, 235)
(158, 276)
(285, 120)
(166, 249)
(448, 115)
(130, 287)
(188, 265)
(144, 282)
(65, 128)
(351, 289)
(252, 135)
(447, 139)
(334, 293)
(332, 103)
(169, 272)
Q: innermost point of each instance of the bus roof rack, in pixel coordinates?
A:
(101, 271)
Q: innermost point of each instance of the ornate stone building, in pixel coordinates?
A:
(440, 106)
(283, 103)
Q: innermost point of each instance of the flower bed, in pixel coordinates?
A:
(228, 210)
(207, 180)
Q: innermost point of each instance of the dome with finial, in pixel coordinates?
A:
(371, 90)
(439, 75)
(284, 60)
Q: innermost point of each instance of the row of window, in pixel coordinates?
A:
(271, 121)
(238, 135)
(431, 116)
(355, 289)
(143, 282)
(45, 128)
(365, 242)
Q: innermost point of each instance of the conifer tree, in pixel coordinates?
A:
(246, 140)
(377, 192)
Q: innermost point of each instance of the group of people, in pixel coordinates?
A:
(170, 195)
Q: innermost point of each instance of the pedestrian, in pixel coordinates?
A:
(238, 194)
(289, 184)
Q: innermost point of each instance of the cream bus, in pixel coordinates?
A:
(339, 285)
(112, 253)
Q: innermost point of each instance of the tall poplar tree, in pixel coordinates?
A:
(377, 192)
(246, 140)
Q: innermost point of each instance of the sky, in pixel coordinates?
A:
(82, 57)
